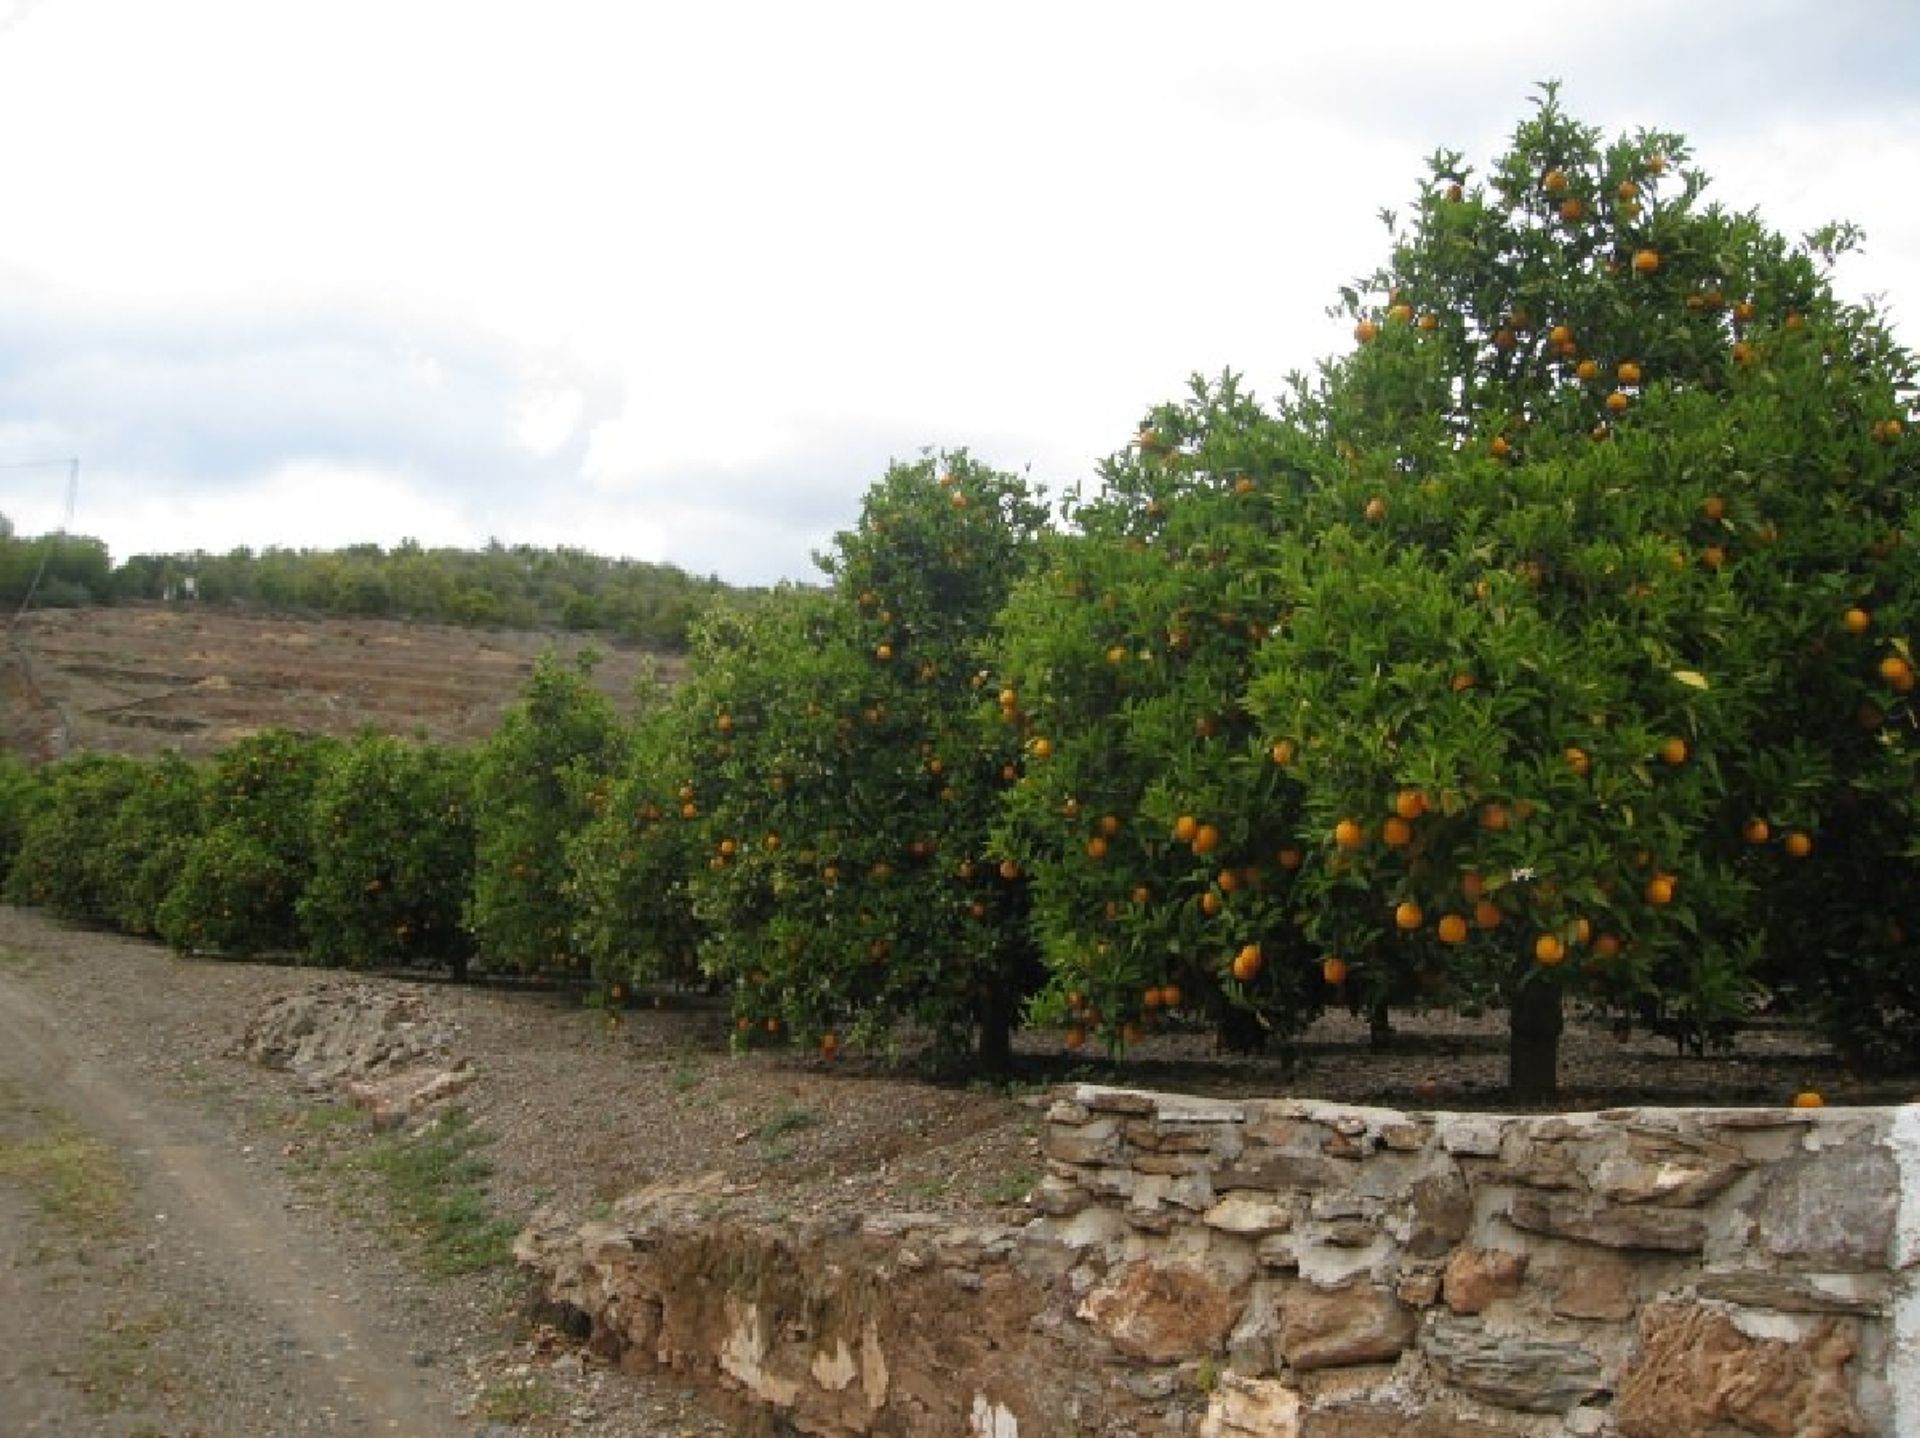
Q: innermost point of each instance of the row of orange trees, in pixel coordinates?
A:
(1552, 641)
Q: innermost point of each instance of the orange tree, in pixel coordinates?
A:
(1158, 824)
(538, 781)
(238, 889)
(848, 787)
(1594, 655)
(63, 861)
(150, 838)
(629, 868)
(19, 789)
(393, 843)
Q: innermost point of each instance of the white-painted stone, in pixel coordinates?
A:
(834, 1371)
(992, 1420)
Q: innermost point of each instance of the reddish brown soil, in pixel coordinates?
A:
(141, 679)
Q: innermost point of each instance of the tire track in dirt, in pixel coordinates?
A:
(221, 1209)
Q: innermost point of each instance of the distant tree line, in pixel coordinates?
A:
(518, 586)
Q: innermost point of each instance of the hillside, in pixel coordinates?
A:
(138, 679)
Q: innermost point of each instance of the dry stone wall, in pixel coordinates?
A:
(1292, 1269)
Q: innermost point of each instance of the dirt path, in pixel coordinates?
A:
(220, 1224)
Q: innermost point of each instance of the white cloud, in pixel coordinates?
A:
(683, 278)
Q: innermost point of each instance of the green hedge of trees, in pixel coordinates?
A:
(519, 586)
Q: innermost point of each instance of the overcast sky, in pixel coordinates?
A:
(676, 281)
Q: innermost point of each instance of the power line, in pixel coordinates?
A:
(14, 637)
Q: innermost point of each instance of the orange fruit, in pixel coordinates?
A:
(1410, 803)
(1618, 401)
(1246, 963)
(1429, 322)
(1606, 946)
(1897, 672)
(1572, 211)
(1857, 621)
(883, 652)
(1674, 751)
(1244, 486)
(1713, 508)
(1348, 834)
(1206, 839)
(1472, 885)
(1493, 816)
(1075, 1038)
(1376, 510)
(1486, 914)
(1713, 556)
(1587, 369)
(1578, 761)
(1807, 1098)
(1333, 969)
(1185, 827)
(1645, 262)
(1660, 890)
(1795, 320)
(1210, 903)
(1757, 831)
(1366, 332)
(1283, 752)
(1097, 848)
(1407, 917)
(1396, 833)
(1452, 929)
(1009, 870)
(1742, 352)
(1560, 335)
(1401, 312)
(1628, 373)
(1500, 448)
(1041, 748)
(1548, 950)
(1290, 859)
(1798, 844)
(1554, 181)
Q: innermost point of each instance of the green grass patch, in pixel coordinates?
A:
(73, 1177)
(790, 1119)
(516, 1401)
(1012, 1187)
(435, 1183)
(123, 1367)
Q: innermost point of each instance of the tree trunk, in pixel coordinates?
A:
(1379, 1028)
(1533, 1043)
(1239, 1031)
(995, 1014)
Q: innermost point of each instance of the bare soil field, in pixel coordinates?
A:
(139, 679)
